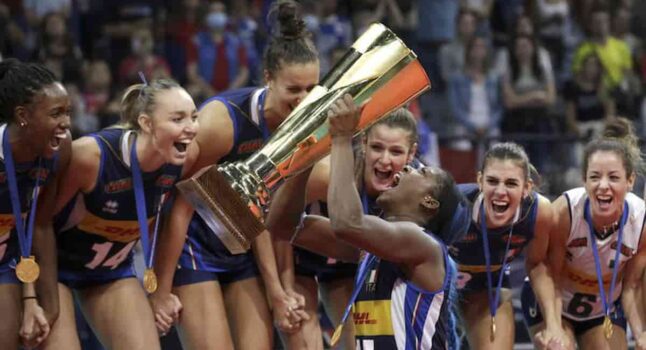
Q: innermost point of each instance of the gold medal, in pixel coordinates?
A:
(336, 335)
(607, 327)
(27, 270)
(492, 335)
(150, 281)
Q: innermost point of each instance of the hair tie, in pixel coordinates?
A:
(143, 78)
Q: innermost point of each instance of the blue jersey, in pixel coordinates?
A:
(390, 312)
(203, 249)
(468, 252)
(98, 246)
(26, 175)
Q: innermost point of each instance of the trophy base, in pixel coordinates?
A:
(222, 209)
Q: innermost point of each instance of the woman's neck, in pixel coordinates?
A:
(22, 148)
(149, 159)
(271, 114)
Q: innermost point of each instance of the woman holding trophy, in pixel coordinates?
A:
(223, 300)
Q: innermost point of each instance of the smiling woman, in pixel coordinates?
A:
(34, 147)
(507, 216)
(598, 282)
(115, 186)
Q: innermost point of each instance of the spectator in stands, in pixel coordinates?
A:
(528, 93)
(57, 49)
(452, 54)
(613, 53)
(184, 23)
(475, 94)
(142, 59)
(220, 60)
(552, 18)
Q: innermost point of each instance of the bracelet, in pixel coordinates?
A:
(29, 297)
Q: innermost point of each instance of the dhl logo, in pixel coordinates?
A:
(7, 223)
(165, 181)
(515, 239)
(372, 317)
(42, 173)
(250, 146)
(578, 242)
(117, 231)
(118, 186)
(585, 283)
(470, 237)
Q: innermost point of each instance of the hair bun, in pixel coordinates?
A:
(617, 128)
(290, 24)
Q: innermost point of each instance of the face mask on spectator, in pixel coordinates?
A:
(311, 22)
(216, 20)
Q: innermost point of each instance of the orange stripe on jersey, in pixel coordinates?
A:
(7, 222)
(586, 283)
(477, 268)
(372, 318)
(113, 230)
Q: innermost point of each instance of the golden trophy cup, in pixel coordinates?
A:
(378, 71)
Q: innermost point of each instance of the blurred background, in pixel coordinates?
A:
(544, 73)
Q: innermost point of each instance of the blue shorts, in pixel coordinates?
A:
(532, 313)
(9, 277)
(88, 279)
(309, 264)
(185, 276)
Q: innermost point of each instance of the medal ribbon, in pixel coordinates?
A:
(493, 300)
(595, 252)
(24, 238)
(140, 200)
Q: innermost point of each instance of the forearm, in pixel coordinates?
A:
(170, 244)
(285, 263)
(265, 258)
(287, 207)
(46, 287)
(545, 290)
(634, 308)
(345, 208)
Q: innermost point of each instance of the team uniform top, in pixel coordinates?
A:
(97, 230)
(468, 252)
(580, 291)
(390, 312)
(203, 250)
(26, 174)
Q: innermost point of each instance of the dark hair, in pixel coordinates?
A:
(453, 216)
(290, 41)
(536, 68)
(19, 83)
(618, 137)
(467, 51)
(141, 98)
(509, 151)
(400, 118)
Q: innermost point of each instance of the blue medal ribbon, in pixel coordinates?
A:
(140, 200)
(261, 113)
(495, 298)
(24, 237)
(595, 252)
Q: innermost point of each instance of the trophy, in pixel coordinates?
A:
(378, 71)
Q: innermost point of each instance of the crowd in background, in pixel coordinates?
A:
(545, 73)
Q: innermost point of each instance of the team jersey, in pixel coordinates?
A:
(390, 312)
(580, 291)
(97, 230)
(468, 252)
(203, 249)
(26, 175)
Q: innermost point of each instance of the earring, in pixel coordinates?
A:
(22, 124)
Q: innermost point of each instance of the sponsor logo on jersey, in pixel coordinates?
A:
(250, 146)
(372, 318)
(113, 230)
(515, 239)
(117, 186)
(578, 242)
(585, 283)
(111, 207)
(625, 250)
(165, 181)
